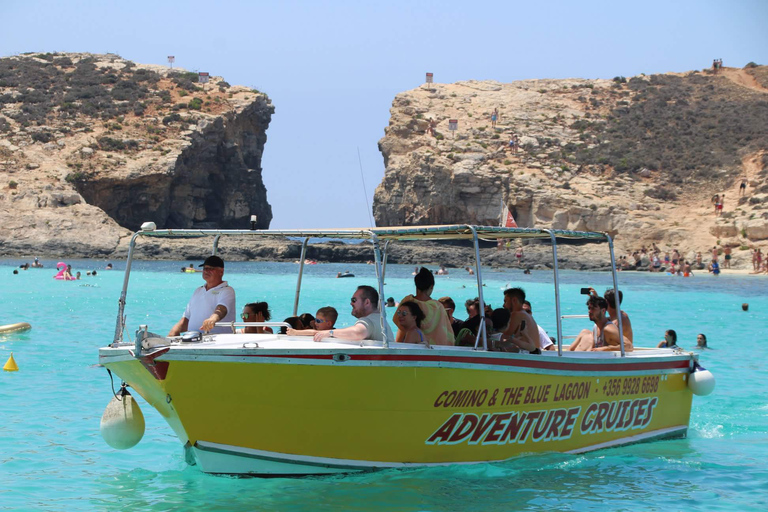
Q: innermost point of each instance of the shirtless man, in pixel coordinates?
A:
(523, 330)
(626, 323)
(727, 261)
(604, 336)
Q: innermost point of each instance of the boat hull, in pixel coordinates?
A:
(273, 412)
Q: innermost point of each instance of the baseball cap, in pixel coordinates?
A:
(213, 261)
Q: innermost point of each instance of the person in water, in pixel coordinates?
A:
(701, 341)
(669, 341)
(210, 303)
(436, 326)
(409, 317)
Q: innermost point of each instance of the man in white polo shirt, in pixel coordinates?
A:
(211, 303)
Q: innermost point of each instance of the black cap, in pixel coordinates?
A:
(213, 261)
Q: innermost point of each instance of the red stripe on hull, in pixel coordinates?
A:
(538, 364)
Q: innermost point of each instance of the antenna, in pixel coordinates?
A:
(365, 192)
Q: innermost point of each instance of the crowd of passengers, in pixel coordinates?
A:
(419, 318)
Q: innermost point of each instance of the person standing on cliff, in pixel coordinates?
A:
(494, 117)
(743, 187)
(716, 201)
(211, 303)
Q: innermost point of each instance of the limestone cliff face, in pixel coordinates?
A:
(212, 180)
(91, 146)
(634, 158)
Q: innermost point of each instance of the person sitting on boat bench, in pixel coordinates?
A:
(604, 336)
(626, 323)
(325, 318)
(211, 303)
(436, 326)
(545, 342)
(523, 330)
(365, 307)
(256, 312)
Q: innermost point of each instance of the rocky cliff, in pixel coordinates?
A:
(91, 146)
(639, 158)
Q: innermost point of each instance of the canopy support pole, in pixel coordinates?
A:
(301, 272)
(557, 292)
(481, 333)
(380, 279)
(120, 325)
(616, 293)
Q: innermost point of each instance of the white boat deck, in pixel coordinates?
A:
(294, 344)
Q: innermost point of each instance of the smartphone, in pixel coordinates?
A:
(585, 291)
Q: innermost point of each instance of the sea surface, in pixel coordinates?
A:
(52, 456)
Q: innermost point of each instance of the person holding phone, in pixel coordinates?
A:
(604, 336)
(610, 299)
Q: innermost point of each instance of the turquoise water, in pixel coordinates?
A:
(53, 458)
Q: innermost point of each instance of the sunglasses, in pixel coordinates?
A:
(320, 321)
(403, 313)
(353, 300)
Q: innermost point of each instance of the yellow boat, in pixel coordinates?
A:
(270, 404)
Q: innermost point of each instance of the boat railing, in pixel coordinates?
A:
(569, 317)
(235, 325)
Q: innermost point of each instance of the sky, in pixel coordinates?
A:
(332, 68)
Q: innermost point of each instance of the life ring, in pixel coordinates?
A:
(17, 327)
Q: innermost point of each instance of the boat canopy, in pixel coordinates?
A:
(380, 238)
(447, 232)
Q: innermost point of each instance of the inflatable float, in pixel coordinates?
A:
(17, 327)
(60, 276)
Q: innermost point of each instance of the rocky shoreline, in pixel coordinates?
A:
(451, 255)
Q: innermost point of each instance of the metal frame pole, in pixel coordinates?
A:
(616, 294)
(384, 260)
(120, 325)
(301, 272)
(380, 278)
(557, 292)
(216, 244)
(481, 329)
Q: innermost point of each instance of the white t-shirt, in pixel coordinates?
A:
(372, 323)
(204, 302)
(544, 340)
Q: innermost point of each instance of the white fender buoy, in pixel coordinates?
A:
(122, 424)
(701, 381)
